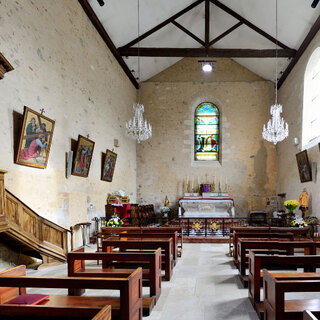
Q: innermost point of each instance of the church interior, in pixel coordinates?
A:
(160, 159)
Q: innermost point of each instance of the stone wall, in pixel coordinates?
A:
(291, 97)
(62, 65)
(170, 99)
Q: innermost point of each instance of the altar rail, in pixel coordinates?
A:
(220, 227)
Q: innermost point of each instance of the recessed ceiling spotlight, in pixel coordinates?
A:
(101, 2)
(207, 65)
(314, 3)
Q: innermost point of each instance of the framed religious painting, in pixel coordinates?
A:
(109, 166)
(35, 139)
(304, 166)
(82, 157)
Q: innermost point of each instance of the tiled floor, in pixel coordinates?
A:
(204, 286)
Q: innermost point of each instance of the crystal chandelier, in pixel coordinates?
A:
(277, 129)
(137, 128)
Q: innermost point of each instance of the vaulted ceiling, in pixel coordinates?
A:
(119, 18)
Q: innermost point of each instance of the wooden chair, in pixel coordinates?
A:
(128, 306)
(143, 244)
(112, 266)
(275, 287)
(258, 261)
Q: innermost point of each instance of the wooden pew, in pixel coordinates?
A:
(275, 287)
(143, 244)
(269, 235)
(246, 244)
(128, 306)
(308, 315)
(258, 261)
(149, 261)
(303, 232)
(107, 231)
(174, 237)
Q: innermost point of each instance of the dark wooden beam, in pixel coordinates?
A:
(248, 23)
(313, 31)
(193, 36)
(104, 35)
(237, 25)
(207, 24)
(164, 23)
(202, 52)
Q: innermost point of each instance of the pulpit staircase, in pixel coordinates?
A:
(26, 232)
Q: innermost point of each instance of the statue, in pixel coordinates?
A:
(303, 201)
(166, 202)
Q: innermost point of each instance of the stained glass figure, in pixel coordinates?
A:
(207, 132)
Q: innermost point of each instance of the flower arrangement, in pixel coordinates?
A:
(114, 221)
(291, 205)
(298, 223)
(165, 211)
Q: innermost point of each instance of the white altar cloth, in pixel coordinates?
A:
(206, 207)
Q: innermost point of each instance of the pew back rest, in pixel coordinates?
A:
(8, 293)
(153, 258)
(259, 261)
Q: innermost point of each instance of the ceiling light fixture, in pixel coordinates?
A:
(137, 128)
(207, 65)
(277, 129)
(314, 3)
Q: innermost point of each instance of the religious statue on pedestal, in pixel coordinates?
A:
(303, 201)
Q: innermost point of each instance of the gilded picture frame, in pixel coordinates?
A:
(35, 139)
(304, 166)
(82, 157)
(109, 166)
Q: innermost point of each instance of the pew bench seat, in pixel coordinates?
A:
(128, 306)
(276, 285)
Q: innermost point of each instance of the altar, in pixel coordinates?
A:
(214, 207)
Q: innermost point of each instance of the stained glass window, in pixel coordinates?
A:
(207, 131)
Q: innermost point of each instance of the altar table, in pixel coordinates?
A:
(197, 207)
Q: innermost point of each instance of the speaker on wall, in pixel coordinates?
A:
(69, 164)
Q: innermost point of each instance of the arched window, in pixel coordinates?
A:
(207, 130)
(311, 100)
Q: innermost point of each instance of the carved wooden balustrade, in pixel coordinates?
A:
(23, 229)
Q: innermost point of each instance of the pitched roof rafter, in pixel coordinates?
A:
(311, 34)
(203, 52)
(128, 50)
(105, 37)
(164, 23)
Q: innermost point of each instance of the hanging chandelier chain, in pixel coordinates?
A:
(137, 128)
(139, 39)
(276, 80)
(277, 129)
